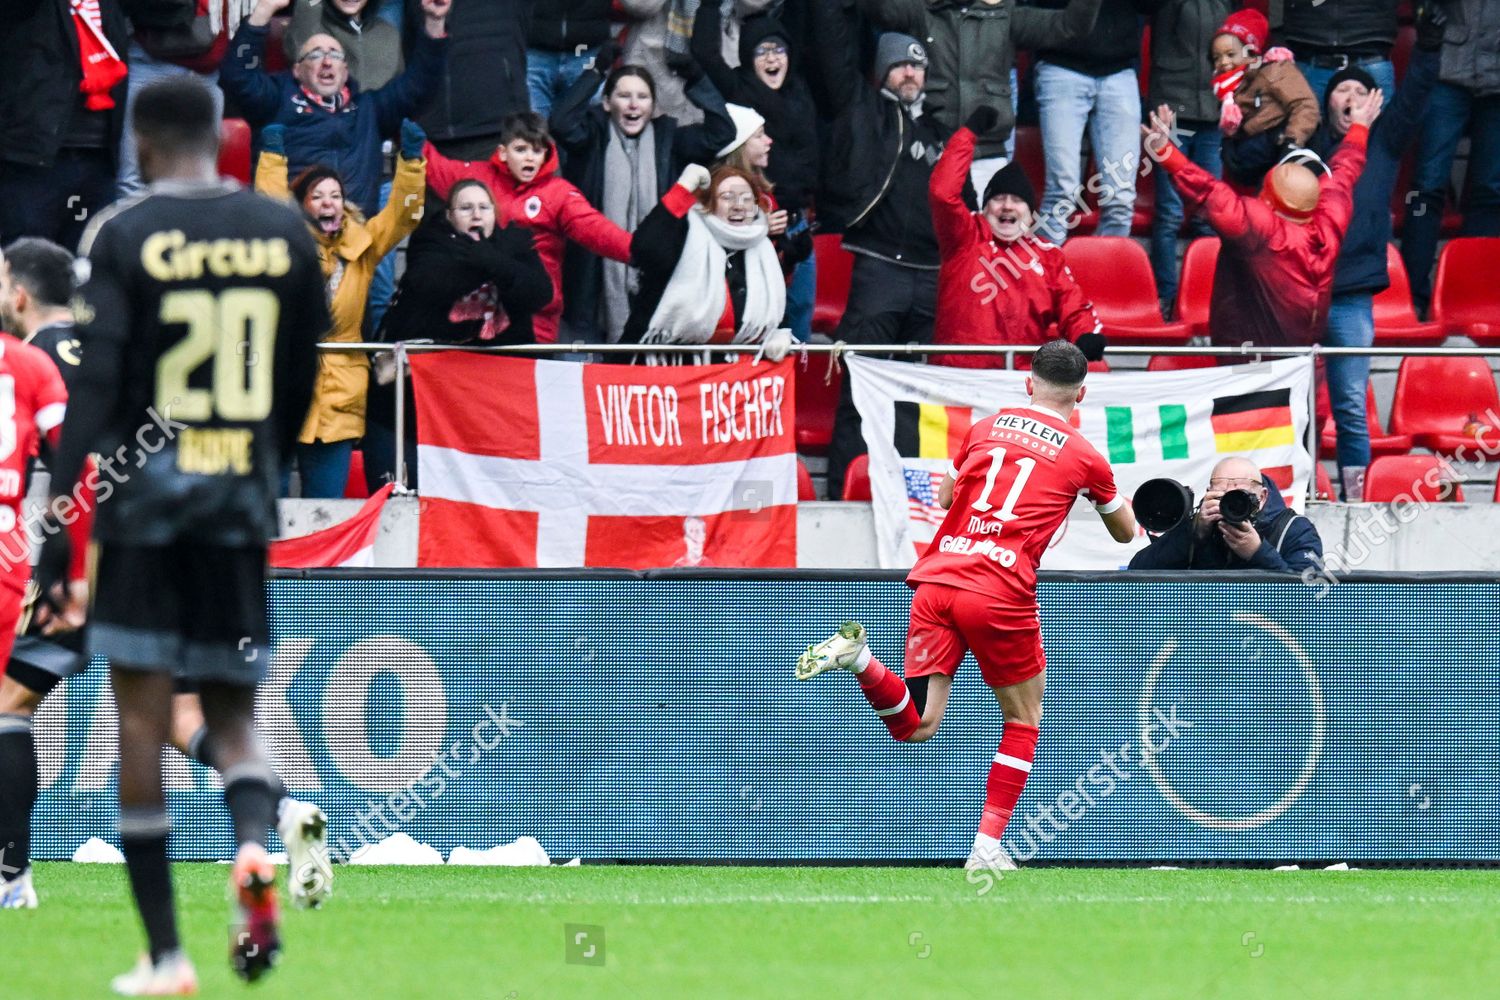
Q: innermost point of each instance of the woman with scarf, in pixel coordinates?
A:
(467, 280)
(623, 157)
(708, 271)
(350, 247)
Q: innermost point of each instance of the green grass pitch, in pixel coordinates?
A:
(800, 932)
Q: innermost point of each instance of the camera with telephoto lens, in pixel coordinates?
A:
(1238, 507)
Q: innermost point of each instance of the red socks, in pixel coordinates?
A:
(1007, 777)
(887, 694)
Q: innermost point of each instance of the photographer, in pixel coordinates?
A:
(1274, 538)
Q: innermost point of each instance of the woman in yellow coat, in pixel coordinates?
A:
(350, 248)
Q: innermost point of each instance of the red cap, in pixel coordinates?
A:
(1249, 26)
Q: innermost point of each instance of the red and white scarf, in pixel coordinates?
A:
(101, 64)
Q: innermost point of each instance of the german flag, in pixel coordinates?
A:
(1253, 420)
(928, 430)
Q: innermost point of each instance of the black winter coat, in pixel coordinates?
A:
(39, 88)
(1181, 75)
(565, 25)
(486, 77)
(790, 114)
(1288, 544)
(580, 128)
(1332, 27)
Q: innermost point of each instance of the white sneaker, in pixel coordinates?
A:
(989, 855)
(304, 830)
(173, 976)
(838, 652)
(18, 893)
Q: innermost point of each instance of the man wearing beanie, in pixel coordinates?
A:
(999, 284)
(1360, 272)
(1274, 278)
(876, 169)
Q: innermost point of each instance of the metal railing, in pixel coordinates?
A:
(1246, 353)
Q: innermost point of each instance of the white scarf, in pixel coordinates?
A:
(227, 14)
(693, 301)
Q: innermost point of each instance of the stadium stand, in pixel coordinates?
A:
(1465, 294)
(1179, 362)
(835, 266)
(234, 149)
(1196, 286)
(1397, 476)
(1324, 484)
(1381, 443)
(356, 488)
(1396, 322)
(1116, 274)
(817, 401)
(1438, 398)
(857, 479)
(805, 490)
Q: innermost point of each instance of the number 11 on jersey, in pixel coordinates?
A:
(1007, 511)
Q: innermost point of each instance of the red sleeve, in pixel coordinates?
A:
(952, 219)
(679, 200)
(1228, 213)
(83, 524)
(1336, 202)
(590, 228)
(1100, 488)
(1074, 310)
(444, 172)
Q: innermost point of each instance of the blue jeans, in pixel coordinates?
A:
(1110, 108)
(324, 468)
(143, 70)
(1351, 323)
(1201, 144)
(549, 75)
(1449, 111)
(383, 281)
(1383, 70)
(801, 296)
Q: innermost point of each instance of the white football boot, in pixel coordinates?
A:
(173, 976)
(304, 831)
(18, 893)
(989, 855)
(839, 651)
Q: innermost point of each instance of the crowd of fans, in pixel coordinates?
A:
(652, 171)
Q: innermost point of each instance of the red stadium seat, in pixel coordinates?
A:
(1437, 398)
(816, 403)
(1396, 323)
(1180, 362)
(805, 489)
(234, 149)
(835, 266)
(1412, 476)
(1115, 273)
(1497, 491)
(1324, 487)
(857, 479)
(1195, 288)
(1465, 294)
(1031, 157)
(354, 487)
(1381, 443)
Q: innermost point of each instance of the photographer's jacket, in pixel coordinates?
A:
(1288, 544)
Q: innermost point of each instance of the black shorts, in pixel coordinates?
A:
(195, 611)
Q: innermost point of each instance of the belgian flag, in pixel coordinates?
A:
(1253, 420)
(930, 430)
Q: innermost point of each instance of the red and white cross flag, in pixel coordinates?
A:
(557, 463)
(348, 543)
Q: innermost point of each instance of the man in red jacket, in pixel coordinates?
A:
(999, 284)
(1274, 279)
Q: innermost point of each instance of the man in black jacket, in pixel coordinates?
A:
(876, 175)
(563, 39)
(1360, 272)
(485, 78)
(59, 124)
(1332, 35)
(1276, 538)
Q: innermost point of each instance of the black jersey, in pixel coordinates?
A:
(198, 322)
(60, 342)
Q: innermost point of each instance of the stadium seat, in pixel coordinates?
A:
(1390, 478)
(1437, 398)
(816, 403)
(234, 149)
(1031, 156)
(857, 479)
(1324, 487)
(1180, 362)
(1465, 294)
(355, 487)
(1497, 491)
(1115, 273)
(1195, 287)
(805, 489)
(1396, 323)
(835, 267)
(1381, 443)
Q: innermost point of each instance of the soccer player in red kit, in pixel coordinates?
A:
(1009, 489)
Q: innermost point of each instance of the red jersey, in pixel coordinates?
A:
(1016, 476)
(32, 402)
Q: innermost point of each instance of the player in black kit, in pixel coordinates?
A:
(198, 322)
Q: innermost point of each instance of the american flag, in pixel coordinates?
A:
(922, 495)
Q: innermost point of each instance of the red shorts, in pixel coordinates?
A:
(947, 622)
